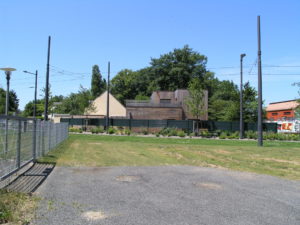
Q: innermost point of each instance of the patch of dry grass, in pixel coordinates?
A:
(16, 208)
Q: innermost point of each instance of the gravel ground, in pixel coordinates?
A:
(176, 195)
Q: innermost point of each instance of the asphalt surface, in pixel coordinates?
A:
(176, 195)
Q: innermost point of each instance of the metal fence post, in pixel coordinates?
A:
(34, 140)
(19, 144)
(43, 137)
(49, 136)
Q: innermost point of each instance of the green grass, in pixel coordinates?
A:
(16, 208)
(275, 158)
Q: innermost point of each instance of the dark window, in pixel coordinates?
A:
(274, 114)
(165, 100)
(287, 113)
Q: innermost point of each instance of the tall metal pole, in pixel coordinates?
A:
(7, 92)
(47, 82)
(35, 93)
(241, 100)
(7, 109)
(259, 122)
(107, 101)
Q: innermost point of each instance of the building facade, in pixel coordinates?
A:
(164, 105)
(281, 111)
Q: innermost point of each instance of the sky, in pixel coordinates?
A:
(129, 33)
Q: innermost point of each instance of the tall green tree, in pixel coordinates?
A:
(195, 102)
(98, 84)
(28, 109)
(125, 85)
(76, 103)
(13, 102)
(175, 69)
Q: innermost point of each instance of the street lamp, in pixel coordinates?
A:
(241, 99)
(7, 73)
(35, 90)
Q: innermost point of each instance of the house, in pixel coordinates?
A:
(164, 105)
(99, 106)
(282, 111)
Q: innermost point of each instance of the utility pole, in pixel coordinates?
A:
(47, 82)
(259, 122)
(241, 100)
(107, 101)
(35, 93)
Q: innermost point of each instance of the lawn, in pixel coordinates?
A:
(275, 158)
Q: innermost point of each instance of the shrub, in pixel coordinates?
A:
(145, 132)
(75, 130)
(157, 134)
(192, 134)
(111, 130)
(181, 133)
(250, 134)
(223, 135)
(94, 131)
(127, 132)
(172, 132)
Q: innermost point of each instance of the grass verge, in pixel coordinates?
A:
(275, 158)
(16, 208)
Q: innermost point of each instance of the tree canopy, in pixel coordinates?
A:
(13, 101)
(98, 85)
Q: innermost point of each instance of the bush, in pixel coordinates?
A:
(75, 130)
(94, 131)
(223, 135)
(250, 134)
(145, 132)
(192, 134)
(181, 133)
(157, 134)
(172, 132)
(111, 130)
(127, 132)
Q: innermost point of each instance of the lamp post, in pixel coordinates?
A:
(8, 74)
(259, 120)
(241, 99)
(35, 90)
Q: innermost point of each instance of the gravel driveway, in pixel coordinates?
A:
(175, 195)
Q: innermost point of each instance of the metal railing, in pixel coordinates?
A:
(23, 140)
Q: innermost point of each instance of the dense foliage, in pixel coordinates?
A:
(98, 84)
(13, 101)
(177, 70)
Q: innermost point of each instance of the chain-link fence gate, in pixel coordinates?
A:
(22, 140)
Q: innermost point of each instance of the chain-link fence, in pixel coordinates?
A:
(23, 140)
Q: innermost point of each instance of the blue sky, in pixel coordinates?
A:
(128, 33)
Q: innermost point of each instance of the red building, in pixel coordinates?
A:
(282, 110)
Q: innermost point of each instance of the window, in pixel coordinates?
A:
(165, 100)
(274, 114)
(287, 113)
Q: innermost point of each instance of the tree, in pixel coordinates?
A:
(175, 69)
(98, 85)
(195, 102)
(224, 102)
(13, 101)
(76, 103)
(124, 85)
(28, 110)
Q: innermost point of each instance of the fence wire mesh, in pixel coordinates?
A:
(23, 140)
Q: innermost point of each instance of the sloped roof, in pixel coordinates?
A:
(286, 105)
